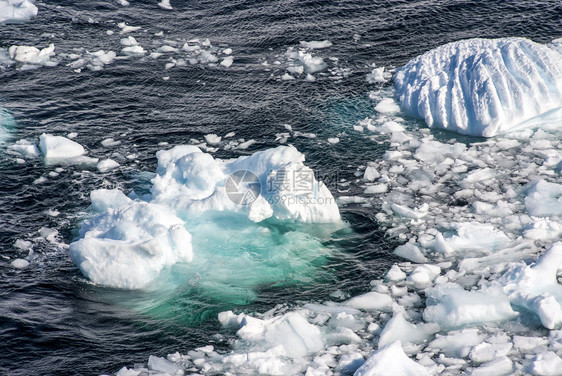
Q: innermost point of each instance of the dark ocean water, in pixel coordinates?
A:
(52, 321)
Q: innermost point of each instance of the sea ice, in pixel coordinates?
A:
(33, 55)
(59, 147)
(128, 244)
(452, 306)
(482, 87)
(17, 10)
(391, 360)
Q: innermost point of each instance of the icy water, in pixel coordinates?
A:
(52, 321)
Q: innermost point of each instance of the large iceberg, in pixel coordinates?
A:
(129, 241)
(16, 10)
(483, 87)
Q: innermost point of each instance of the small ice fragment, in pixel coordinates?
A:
(387, 106)
(20, 263)
(110, 142)
(314, 44)
(227, 61)
(106, 165)
(212, 139)
(165, 4)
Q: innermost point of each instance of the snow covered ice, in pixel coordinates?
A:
(483, 87)
(17, 10)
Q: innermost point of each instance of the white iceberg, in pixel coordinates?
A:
(483, 87)
(17, 10)
(130, 241)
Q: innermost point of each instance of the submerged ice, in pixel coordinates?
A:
(484, 87)
(129, 241)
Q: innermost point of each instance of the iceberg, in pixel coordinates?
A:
(483, 87)
(17, 10)
(128, 242)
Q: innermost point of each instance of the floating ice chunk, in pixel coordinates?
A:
(497, 367)
(162, 365)
(457, 343)
(287, 77)
(400, 329)
(227, 61)
(20, 263)
(436, 152)
(424, 275)
(314, 44)
(387, 106)
(395, 274)
(129, 41)
(292, 331)
(536, 287)
(349, 363)
(192, 181)
(452, 306)
(106, 165)
(212, 139)
(371, 174)
(543, 229)
(482, 87)
(371, 301)
(127, 246)
(543, 199)
(126, 28)
(25, 148)
(410, 252)
(165, 4)
(108, 142)
(391, 360)
(378, 75)
(415, 213)
(376, 189)
(133, 50)
(32, 55)
(58, 147)
(206, 57)
(546, 364)
(333, 140)
(469, 236)
(17, 10)
(486, 352)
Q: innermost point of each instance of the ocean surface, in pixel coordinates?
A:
(52, 320)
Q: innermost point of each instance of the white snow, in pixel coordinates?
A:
(483, 87)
